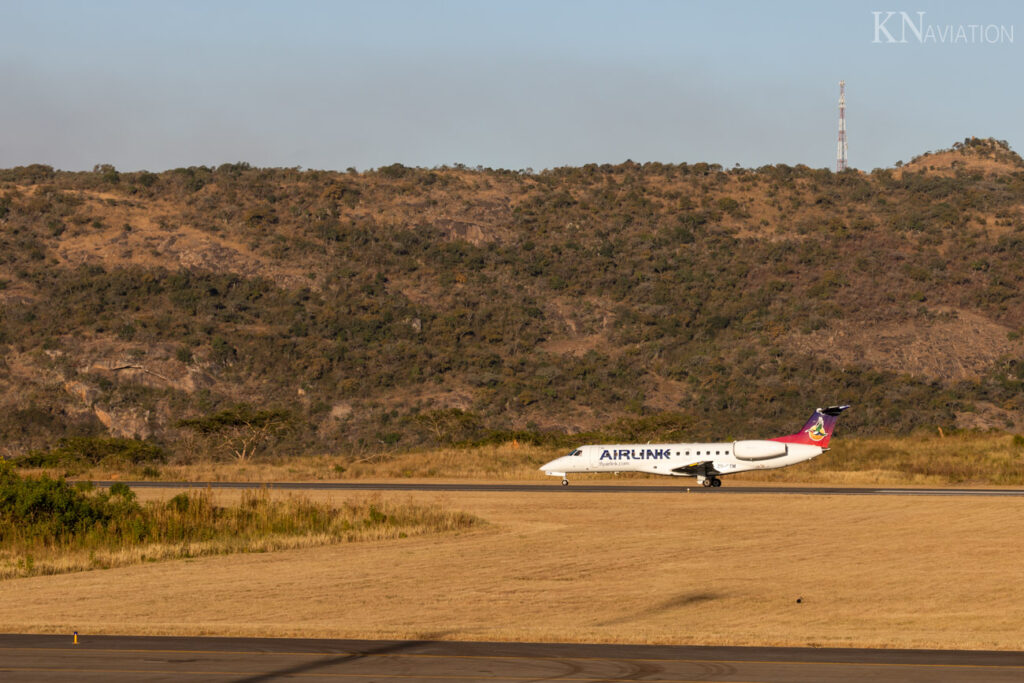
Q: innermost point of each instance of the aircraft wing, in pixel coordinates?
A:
(703, 468)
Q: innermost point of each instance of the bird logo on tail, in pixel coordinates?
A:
(817, 432)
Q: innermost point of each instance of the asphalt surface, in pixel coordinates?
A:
(134, 658)
(555, 487)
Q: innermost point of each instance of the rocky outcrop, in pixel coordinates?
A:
(132, 423)
(155, 374)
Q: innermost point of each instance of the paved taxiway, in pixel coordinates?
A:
(574, 488)
(132, 658)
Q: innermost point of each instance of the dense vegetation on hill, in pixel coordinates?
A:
(214, 309)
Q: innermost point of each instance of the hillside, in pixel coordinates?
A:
(402, 307)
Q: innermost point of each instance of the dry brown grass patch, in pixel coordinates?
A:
(921, 459)
(192, 525)
(669, 568)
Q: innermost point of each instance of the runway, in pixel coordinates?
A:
(132, 658)
(554, 487)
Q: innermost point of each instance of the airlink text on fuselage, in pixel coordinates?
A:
(636, 454)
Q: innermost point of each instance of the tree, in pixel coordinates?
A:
(450, 425)
(241, 430)
(108, 172)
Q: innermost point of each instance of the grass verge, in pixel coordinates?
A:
(870, 571)
(921, 459)
(48, 526)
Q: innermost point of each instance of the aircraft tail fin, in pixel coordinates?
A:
(818, 430)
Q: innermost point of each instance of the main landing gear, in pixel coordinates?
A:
(712, 481)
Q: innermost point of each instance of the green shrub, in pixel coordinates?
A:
(46, 510)
(94, 450)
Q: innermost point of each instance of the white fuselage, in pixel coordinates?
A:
(672, 459)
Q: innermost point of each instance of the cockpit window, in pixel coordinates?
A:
(578, 451)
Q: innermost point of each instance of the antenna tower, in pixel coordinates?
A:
(841, 145)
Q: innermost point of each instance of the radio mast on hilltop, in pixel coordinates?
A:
(841, 145)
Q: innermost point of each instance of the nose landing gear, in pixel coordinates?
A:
(565, 482)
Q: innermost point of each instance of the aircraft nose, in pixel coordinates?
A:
(553, 465)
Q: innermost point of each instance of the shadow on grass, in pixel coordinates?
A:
(681, 600)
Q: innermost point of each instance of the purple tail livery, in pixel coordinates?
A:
(818, 430)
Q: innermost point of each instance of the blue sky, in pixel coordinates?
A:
(502, 84)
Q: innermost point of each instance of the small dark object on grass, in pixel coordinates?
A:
(799, 600)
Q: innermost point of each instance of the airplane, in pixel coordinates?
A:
(705, 461)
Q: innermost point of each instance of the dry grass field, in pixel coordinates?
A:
(965, 458)
(193, 525)
(563, 566)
